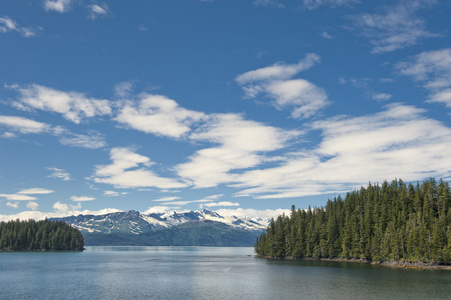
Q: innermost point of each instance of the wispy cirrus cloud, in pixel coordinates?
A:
(131, 170)
(61, 6)
(74, 106)
(182, 203)
(158, 115)
(9, 25)
(279, 71)
(166, 199)
(179, 203)
(252, 213)
(17, 197)
(396, 143)
(304, 98)
(398, 27)
(365, 85)
(59, 174)
(91, 140)
(222, 203)
(82, 198)
(241, 144)
(433, 70)
(123, 89)
(60, 210)
(114, 193)
(96, 10)
(34, 191)
(24, 125)
(14, 125)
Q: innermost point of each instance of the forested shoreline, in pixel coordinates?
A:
(392, 222)
(43, 235)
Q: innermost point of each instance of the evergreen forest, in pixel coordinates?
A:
(391, 222)
(43, 235)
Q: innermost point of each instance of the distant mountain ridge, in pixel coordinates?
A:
(194, 228)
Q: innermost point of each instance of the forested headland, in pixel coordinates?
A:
(391, 222)
(43, 235)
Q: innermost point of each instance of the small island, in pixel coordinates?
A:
(43, 235)
(394, 224)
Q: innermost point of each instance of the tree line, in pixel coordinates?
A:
(391, 222)
(43, 235)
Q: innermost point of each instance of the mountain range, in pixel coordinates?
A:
(194, 228)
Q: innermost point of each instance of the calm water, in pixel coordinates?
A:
(205, 273)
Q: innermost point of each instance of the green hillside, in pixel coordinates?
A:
(392, 222)
(39, 236)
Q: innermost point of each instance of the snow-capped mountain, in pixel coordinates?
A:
(135, 223)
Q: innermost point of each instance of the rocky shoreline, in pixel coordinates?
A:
(390, 263)
(412, 265)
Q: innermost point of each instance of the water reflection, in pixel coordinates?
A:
(205, 273)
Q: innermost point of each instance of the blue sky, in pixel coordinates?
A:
(240, 106)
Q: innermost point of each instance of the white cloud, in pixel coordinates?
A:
(166, 199)
(73, 106)
(114, 193)
(33, 191)
(159, 115)
(252, 213)
(63, 208)
(123, 89)
(97, 10)
(214, 197)
(279, 70)
(82, 198)
(241, 143)
(59, 173)
(182, 203)
(32, 205)
(326, 35)
(303, 97)
(12, 205)
(397, 28)
(64, 211)
(433, 70)
(119, 174)
(60, 6)
(396, 143)
(8, 135)
(17, 197)
(222, 203)
(158, 210)
(381, 96)
(7, 25)
(23, 125)
(93, 140)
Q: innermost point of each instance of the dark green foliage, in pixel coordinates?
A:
(39, 236)
(193, 233)
(379, 223)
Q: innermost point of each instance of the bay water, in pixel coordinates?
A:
(205, 273)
